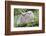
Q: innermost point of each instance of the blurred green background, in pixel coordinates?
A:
(18, 11)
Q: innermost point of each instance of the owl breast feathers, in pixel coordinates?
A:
(28, 17)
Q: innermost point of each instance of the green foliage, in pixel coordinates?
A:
(22, 25)
(18, 11)
(36, 21)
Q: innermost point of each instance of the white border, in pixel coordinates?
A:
(26, 28)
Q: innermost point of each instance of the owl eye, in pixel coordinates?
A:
(29, 13)
(23, 15)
